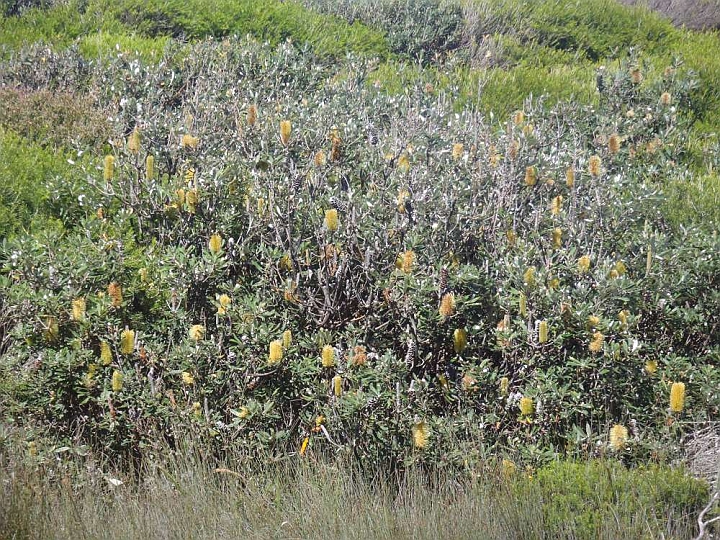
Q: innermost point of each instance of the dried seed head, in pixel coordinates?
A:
(252, 115)
(115, 293)
(359, 356)
(614, 143)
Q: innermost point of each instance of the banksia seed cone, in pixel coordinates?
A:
(150, 167)
(636, 76)
(133, 142)
(276, 352)
(443, 281)
(556, 205)
(215, 243)
(677, 397)
(596, 344)
(117, 381)
(543, 332)
(583, 264)
(287, 339)
(78, 309)
(115, 294)
(594, 165)
(188, 141)
(529, 277)
(105, 354)
(459, 340)
(522, 305)
(447, 305)
(337, 385)
(331, 219)
(570, 177)
(557, 237)
(108, 168)
(328, 356)
(618, 437)
(504, 386)
(614, 143)
(526, 406)
(187, 378)
(285, 132)
(252, 115)
(420, 434)
(127, 341)
(457, 150)
(196, 332)
(665, 98)
(530, 176)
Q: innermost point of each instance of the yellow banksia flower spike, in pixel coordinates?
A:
(406, 261)
(319, 160)
(511, 236)
(583, 264)
(403, 162)
(285, 132)
(447, 305)
(570, 177)
(191, 198)
(518, 118)
(187, 378)
(331, 219)
(457, 151)
(90, 375)
(527, 407)
(117, 381)
(677, 397)
(224, 301)
(651, 367)
(556, 205)
(304, 446)
(105, 354)
(596, 344)
(215, 243)
(197, 409)
(133, 142)
(188, 141)
(614, 143)
(522, 305)
(328, 356)
(530, 176)
(618, 437)
(127, 341)
(529, 276)
(543, 332)
(665, 98)
(108, 168)
(276, 352)
(508, 469)
(115, 294)
(504, 386)
(337, 385)
(150, 167)
(557, 237)
(459, 340)
(78, 309)
(196, 332)
(623, 317)
(594, 165)
(287, 339)
(420, 434)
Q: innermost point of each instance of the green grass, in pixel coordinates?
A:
(54, 496)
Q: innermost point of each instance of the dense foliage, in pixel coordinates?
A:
(274, 250)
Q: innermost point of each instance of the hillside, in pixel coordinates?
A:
(431, 241)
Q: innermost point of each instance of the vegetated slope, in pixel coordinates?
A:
(696, 14)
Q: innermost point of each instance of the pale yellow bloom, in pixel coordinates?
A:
(459, 340)
(127, 341)
(285, 132)
(78, 309)
(677, 397)
(420, 434)
(527, 406)
(187, 378)
(287, 339)
(618, 437)
(328, 356)
(331, 219)
(215, 243)
(196, 332)
(276, 352)
(117, 381)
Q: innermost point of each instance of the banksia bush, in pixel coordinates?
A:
(276, 352)
(618, 437)
(677, 397)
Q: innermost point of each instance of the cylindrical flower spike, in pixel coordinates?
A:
(127, 341)
(78, 309)
(447, 305)
(543, 332)
(614, 143)
(133, 142)
(117, 381)
(459, 340)
(594, 165)
(530, 176)
(583, 264)
(150, 167)
(328, 356)
(570, 177)
(252, 115)
(529, 277)
(337, 385)
(105, 354)
(276, 352)
(215, 243)
(557, 237)
(677, 397)
(522, 305)
(420, 434)
(527, 406)
(285, 132)
(556, 205)
(618, 437)
(287, 339)
(331, 219)
(457, 151)
(504, 386)
(108, 168)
